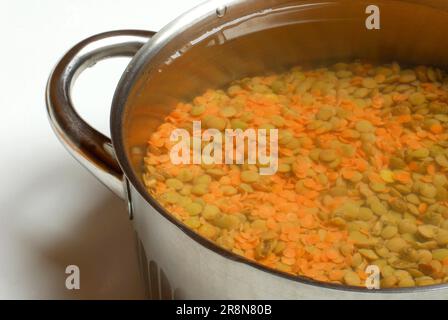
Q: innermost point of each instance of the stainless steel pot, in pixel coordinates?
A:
(209, 46)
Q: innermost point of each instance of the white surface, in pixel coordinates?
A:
(53, 213)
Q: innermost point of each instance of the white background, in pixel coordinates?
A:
(53, 213)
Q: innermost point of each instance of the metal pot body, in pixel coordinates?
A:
(174, 266)
(213, 44)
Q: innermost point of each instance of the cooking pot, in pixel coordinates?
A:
(208, 47)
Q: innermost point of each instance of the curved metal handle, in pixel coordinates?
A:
(90, 147)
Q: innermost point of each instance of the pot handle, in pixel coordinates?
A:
(90, 147)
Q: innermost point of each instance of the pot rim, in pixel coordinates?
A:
(124, 87)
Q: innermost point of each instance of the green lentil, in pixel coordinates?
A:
(365, 214)
(327, 155)
(185, 175)
(174, 183)
(428, 191)
(197, 110)
(420, 153)
(229, 190)
(193, 208)
(426, 231)
(228, 112)
(284, 167)
(396, 244)
(193, 222)
(364, 126)
(407, 226)
(238, 124)
(351, 278)
(210, 212)
(249, 176)
(278, 121)
(171, 197)
(378, 208)
(389, 232)
(215, 123)
(368, 253)
(407, 77)
(417, 98)
(199, 189)
(203, 179)
(325, 113)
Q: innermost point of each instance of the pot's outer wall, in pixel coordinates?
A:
(170, 68)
